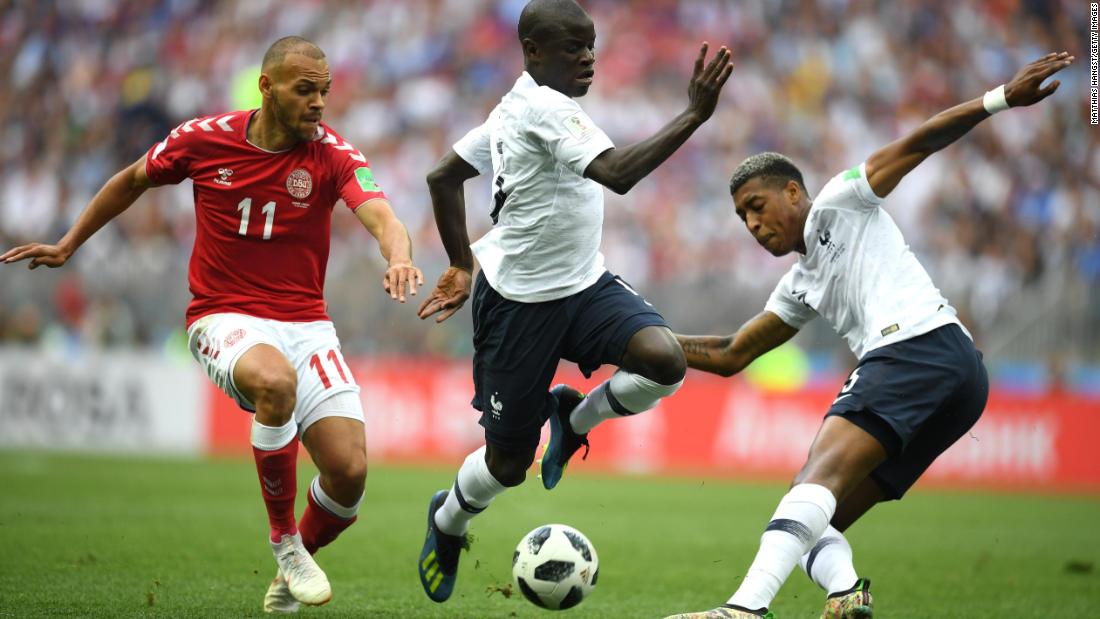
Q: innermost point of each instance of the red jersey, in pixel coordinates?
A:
(263, 218)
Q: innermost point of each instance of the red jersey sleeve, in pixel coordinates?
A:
(169, 162)
(354, 177)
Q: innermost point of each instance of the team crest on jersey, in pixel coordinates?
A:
(833, 250)
(299, 184)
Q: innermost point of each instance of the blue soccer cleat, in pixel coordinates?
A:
(438, 563)
(564, 442)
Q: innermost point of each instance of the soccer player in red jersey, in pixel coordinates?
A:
(265, 184)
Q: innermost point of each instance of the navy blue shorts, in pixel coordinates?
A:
(517, 347)
(917, 397)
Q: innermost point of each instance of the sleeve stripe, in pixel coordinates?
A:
(354, 154)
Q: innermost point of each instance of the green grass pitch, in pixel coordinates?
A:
(98, 536)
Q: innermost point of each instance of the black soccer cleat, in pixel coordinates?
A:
(564, 442)
(438, 564)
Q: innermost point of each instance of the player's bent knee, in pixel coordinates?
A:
(349, 482)
(636, 393)
(509, 468)
(654, 353)
(273, 392)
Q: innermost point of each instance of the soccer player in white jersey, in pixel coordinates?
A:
(919, 384)
(543, 293)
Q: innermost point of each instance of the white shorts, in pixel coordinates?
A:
(217, 341)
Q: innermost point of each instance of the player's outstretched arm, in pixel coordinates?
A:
(396, 247)
(729, 354)
(887, 166)
(445, 183)
(122, 190)
(619, 169)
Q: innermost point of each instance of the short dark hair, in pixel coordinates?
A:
(772, 167)
(542, 17)
(287, 45)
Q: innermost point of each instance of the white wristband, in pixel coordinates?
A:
(994, 100)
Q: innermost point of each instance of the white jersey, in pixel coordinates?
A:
(858, 273)
(548, 218)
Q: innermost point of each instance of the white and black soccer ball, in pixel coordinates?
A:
(555, 566)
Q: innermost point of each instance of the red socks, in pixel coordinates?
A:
(278, 483)
(320, 526)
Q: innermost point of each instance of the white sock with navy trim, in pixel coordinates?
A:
(473, 490)
(625, 393)
(829, 562)
(799, 520)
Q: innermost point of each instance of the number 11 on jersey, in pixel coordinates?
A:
(268, 210)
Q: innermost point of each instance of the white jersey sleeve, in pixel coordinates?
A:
(568, 133)
(785, 302)
(474, 149)
(850, 188)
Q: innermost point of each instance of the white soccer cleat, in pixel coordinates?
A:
(304, 578)
(278, 598)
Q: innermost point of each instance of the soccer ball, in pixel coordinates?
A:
(555, 566)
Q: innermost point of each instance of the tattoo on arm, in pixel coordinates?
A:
(697, 348)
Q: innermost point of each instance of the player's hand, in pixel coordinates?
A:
(401, 277)
(451, 291)
(1024, 88)
(706, 83)
(52, 256)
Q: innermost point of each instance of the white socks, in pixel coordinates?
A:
(271, 438)
(473, 490)
(623, 394)
(798, 522)
(829, 563)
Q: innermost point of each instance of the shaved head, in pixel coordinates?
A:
(542, 18)
(289, 45)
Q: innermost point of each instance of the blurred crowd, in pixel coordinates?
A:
(1007, 221)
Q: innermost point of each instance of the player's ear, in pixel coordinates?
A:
(266, 84)
(530, 51)
(792, 192)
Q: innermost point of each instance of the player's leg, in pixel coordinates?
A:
(617, 325)
(264, 376)
(842, 455)
(829, 563)
(959, 407)
(242, 356)
(329, 418)
(511, 389)
(652, 368)
(612, 324)
(267, 379)
(336, 442)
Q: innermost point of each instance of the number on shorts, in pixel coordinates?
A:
(316, 364)
(851, 382)
(845, 391)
